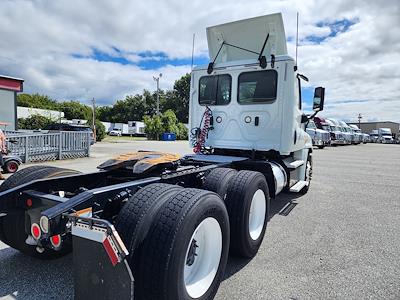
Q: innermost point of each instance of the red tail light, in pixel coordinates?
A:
(35, 230)
(29, 202)
(56, 240)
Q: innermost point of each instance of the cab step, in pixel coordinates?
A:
(295, 164)
(298, 186)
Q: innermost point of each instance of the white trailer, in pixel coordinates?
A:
(123, 128)
(136, 128)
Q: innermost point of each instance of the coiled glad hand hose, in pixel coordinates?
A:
(201, 137)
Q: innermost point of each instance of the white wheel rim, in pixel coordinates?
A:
(200, 272)
(257, 214)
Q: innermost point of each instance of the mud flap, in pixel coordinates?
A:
(100, 267)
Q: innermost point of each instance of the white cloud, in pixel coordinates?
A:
(38, 38)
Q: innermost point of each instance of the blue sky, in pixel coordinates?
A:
(148, 60)
(145, 60)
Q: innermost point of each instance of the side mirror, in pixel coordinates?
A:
(304, 118)
(318, 101)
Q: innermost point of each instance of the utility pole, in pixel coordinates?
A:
(93, 118)
(157, 79)
(359, 120)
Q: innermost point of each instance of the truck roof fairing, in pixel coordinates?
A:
(249, 34)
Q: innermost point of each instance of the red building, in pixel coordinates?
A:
(9, 87)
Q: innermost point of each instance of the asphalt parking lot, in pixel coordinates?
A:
(339, 241)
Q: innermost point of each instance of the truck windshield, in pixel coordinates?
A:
(311, 125)
(257, 87)
(215, 90)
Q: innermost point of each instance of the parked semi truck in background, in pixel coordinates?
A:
(385, 136)
(337, 137)
(374, 135)
(347, 136)
(154, 225)
(358, 137)
(320, 138)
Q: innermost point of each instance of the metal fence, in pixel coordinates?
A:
(49, 146)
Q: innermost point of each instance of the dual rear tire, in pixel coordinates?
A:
(246, 197)
(179, 238)
(180, 250)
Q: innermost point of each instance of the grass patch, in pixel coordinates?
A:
(124, 138)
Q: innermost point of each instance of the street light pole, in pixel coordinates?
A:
(157, 79)
(93, 118)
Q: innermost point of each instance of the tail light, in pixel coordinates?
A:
(35, 231)
(29, 202)
(56, 240)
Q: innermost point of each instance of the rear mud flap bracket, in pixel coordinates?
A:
(100, 267)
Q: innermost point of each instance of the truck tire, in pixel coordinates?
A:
(136, 216)
(218, 180)
(12, 226)
(308, 174)
(185, 253)
(247, 202)
(11, 166)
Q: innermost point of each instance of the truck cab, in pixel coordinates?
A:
(256, 107)
(339, 128)
(358, 136)
(336, 136)
(385, 136)
(349, 134)
(320, 137)
(374, 136)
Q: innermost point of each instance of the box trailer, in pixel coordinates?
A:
(152, 225)
(136, 128)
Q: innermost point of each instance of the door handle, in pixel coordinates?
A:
(256, 121)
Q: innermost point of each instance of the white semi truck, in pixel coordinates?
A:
(385, 135)
(358, 136)
(154, 225)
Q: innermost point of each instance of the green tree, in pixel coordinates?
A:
(104, 113)
(75, 110)
(34, 122)
(178, 98)
(182, 133)
(169, 121)
(37, 101)
(154, 127)
(100, 131)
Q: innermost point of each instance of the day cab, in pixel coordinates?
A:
(254, 95)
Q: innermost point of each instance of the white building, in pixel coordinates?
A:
(26, 112)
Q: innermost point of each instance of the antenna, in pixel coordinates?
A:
(297, 36)
(194, 35)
